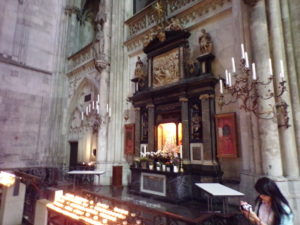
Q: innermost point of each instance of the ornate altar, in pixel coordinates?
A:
(178, 93)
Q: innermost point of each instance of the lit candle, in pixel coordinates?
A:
(247, 60)
(180, 151)
(233, 65)
(270, 67)
(243, 51)
(227, 77)
(253, 71)
(282, 70)
(221, 86)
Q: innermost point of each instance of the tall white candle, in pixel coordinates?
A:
(270, 67)
(107, 108)
(227, 77)
(221, 86)
(109, 112)
(87, 110)
(81, 115)
(233, 65)
(253, 71)
(247, 60)
(98, 98)
(243, 51)
(97, 107)
(180, 151)
(281, 69)
(93, 105)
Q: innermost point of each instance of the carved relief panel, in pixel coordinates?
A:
(166, 68)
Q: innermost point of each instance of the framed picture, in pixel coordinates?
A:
(196, 152)
(129, 139)
(226, 135)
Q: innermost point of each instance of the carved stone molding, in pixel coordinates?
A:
(251, 2)
(188, 13)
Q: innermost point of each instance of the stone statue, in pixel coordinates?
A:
(174, 25)
(139, 69)
(205, 43)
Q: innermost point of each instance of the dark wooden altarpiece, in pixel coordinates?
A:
(175, 93)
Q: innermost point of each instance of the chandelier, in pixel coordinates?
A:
(246, 88)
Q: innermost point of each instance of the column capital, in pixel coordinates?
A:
(150, 106)
(206, 96)
(183, 99)
(251, 2)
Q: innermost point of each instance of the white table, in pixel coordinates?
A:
(218, 190)
(85, 172)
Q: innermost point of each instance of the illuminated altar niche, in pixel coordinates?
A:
(169, 136)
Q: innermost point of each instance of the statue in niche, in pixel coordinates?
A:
(99, 38)
(196, 122)
(144, 127)
(174, 25)
(205, 43)
(139, 72)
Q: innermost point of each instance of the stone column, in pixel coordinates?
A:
(104, 70)
(287, 135)
(208, 132)
(151, 127)
(268, 130)
(137, 138)
(185, 129)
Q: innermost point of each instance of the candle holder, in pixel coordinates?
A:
(245, 90)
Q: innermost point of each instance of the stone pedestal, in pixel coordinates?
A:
(12, 204)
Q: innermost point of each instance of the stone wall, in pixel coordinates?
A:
(28, 52)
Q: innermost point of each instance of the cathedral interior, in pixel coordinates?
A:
(123, 111)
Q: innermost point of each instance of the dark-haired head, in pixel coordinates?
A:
(266, 186)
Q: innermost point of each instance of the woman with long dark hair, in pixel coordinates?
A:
(272, 208)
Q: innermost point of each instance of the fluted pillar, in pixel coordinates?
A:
(103, 146)
(268, 130)
(287, 135)
(185, 129)
(151, 127)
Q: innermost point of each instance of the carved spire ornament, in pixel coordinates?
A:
(251, 2)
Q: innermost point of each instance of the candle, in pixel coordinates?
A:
(243, 51)
(81, 115)
(233, 65)
(107, 108)
(98, 111)
(221, 86)
(87, 110)
(180, 151)
(98, 98)
(281, 69)
(109, 112)
(247, 60)
(227, 77)
(253, 71)
(93, 106)
(270, 67)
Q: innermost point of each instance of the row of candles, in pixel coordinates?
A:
(244, 55)
(90, 212)
(95, 105)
